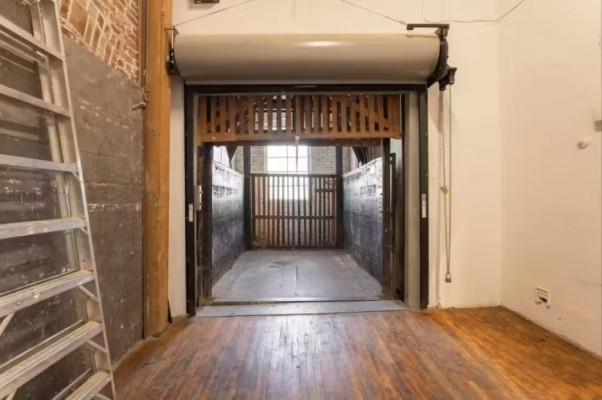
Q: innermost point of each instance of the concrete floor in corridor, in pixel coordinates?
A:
(295, 275)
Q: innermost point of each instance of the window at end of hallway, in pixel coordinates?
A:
(287, 160)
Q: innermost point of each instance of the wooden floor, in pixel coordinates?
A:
(486, 353)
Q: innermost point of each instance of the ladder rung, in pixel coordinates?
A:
(38, 104)
(20, 34)
(33, 294)
(91, 387)
(19, 229)
(32, 163)
(18, 375)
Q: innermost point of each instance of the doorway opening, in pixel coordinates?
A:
(296, 197)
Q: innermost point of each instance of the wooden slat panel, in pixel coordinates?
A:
(298, 115)
(242, 115)
(231, 118)
(289, 115)
(223, 115)
(213, 114)
(325, 114)
(270, 112)
(380, 113)
(202, 115)
(307, 110)
(371, 113)
(232, 114)
(251, 115)
(394, 116)
(344, 111)
(335, 113)
(315, 109)
(260, 114)
(354, 114)
(362, 106)
(278, 113)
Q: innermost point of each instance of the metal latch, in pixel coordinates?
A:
(423, 205)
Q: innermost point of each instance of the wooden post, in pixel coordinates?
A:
(339, 197)
(246, 161)
(156, 152)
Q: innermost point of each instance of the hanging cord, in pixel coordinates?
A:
(472, 21)
(213, 13)
(447, 182)
(399, 21)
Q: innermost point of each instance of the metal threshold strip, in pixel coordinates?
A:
(34, 294)
(28, 369)
(34, 164)
(19, 229)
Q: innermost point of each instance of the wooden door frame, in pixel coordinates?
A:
(191, 92)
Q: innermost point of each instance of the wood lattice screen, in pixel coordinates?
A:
(293, 211)
(254, 118)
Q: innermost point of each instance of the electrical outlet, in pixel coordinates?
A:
(543, 296)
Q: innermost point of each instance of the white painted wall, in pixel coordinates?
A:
(551, 191)
(477, 242)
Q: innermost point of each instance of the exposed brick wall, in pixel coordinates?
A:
(108, 28)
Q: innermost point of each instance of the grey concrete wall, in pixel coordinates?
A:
(110, 138)
(362, 216)
(227, 219)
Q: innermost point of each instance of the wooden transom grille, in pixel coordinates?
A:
(248, 118)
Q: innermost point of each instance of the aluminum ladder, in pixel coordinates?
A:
(42, 44)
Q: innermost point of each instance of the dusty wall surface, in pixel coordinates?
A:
(110, 140)
(362, 216)
(111, 143)
(228, 240)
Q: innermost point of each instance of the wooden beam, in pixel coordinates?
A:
(156, 151)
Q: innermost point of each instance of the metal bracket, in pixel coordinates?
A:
(170, 62)
(443, 73)
(442, 29)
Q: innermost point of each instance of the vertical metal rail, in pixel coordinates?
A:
(386, 218)
(192, 206)
(424, 193)
(206, 225)
(248, 191)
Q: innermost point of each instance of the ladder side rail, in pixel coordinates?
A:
(51, 20)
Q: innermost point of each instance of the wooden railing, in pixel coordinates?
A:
(293, 211)
(233, 118)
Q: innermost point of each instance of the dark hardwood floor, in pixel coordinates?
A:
(488, 353)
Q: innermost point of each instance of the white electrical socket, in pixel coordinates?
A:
(543, 296)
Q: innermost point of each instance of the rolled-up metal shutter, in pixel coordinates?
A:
(307, 58)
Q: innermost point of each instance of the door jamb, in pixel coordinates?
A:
(191, 186)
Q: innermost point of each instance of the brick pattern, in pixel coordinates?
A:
(108, 28)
